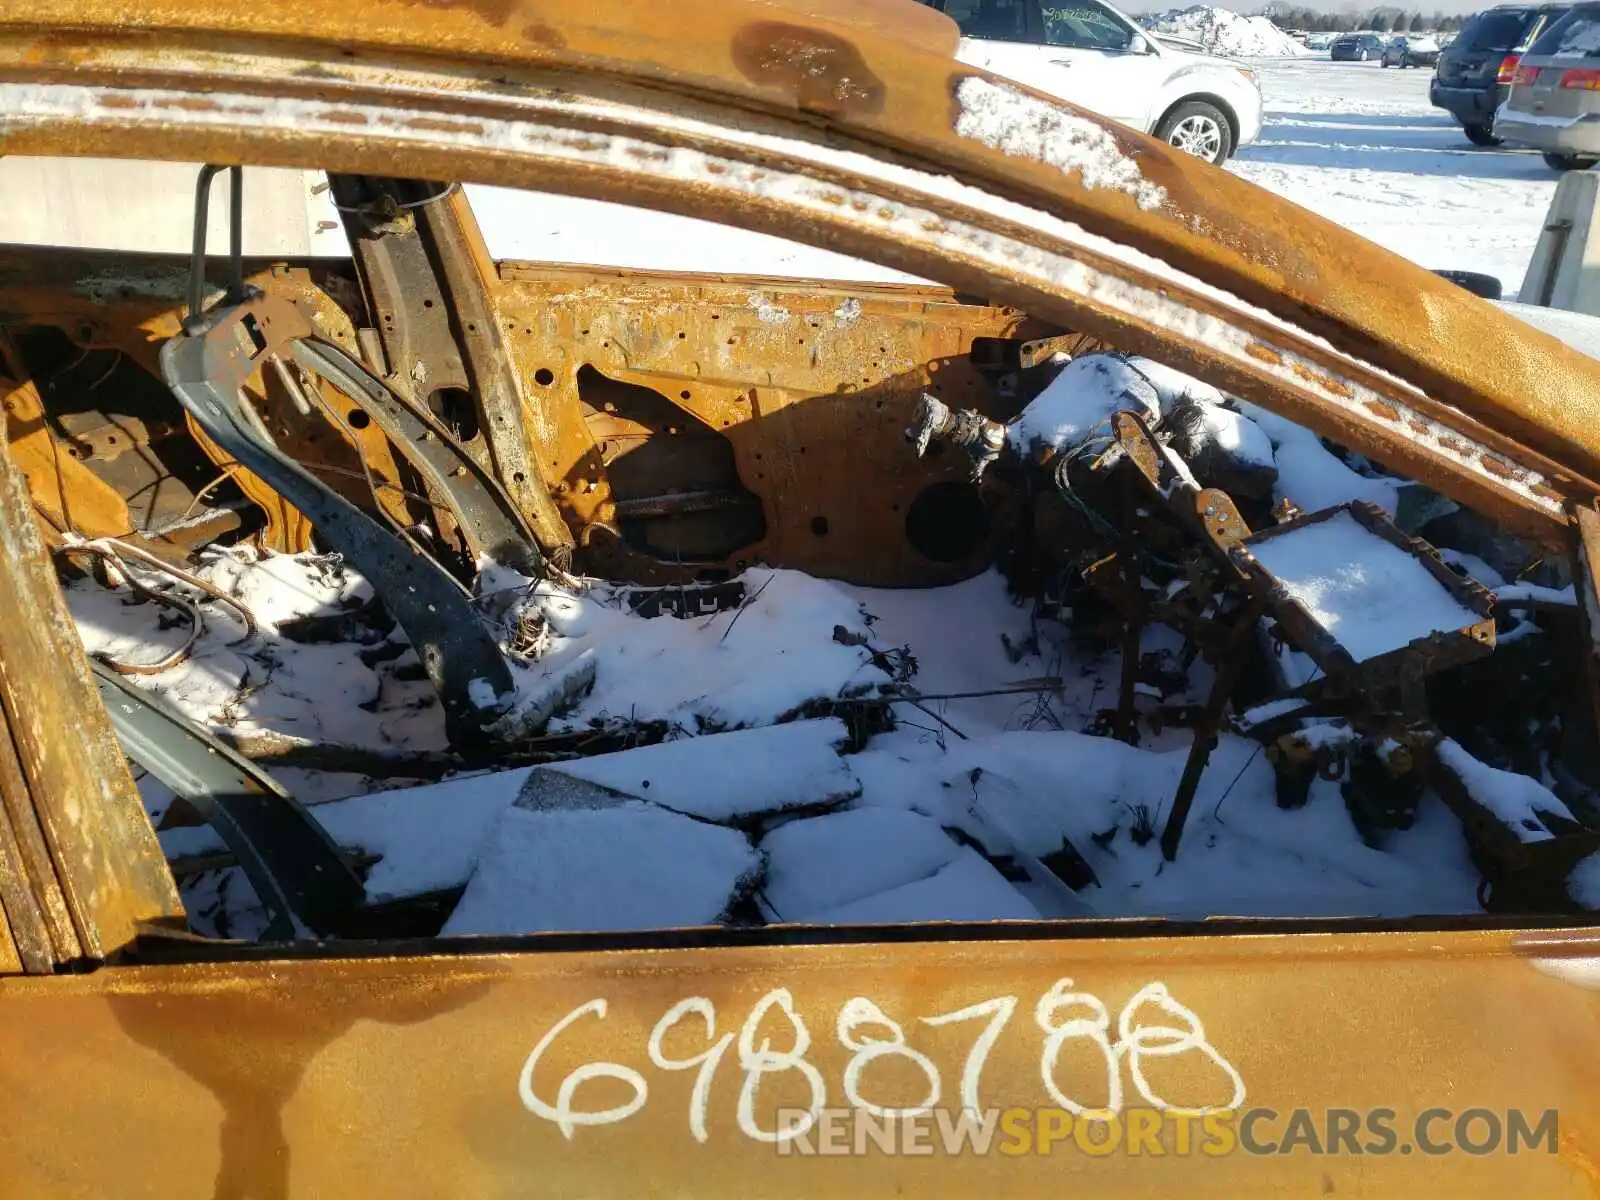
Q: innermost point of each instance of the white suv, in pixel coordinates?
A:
(1090, 54)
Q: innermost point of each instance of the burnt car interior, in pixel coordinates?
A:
(453, 448)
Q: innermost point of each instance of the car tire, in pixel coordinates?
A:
(1568, 162)
(1480, 135)
(1198, 128)
(1362, 56)
(1479, 284)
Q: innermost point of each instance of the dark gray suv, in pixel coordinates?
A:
(1474, 72)
(1555, 99)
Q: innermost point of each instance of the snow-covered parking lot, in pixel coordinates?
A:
(1362, 146)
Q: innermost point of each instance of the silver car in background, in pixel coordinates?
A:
(1554, 105)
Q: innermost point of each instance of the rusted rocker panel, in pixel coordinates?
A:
(664, 1072)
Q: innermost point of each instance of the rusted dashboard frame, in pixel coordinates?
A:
(438, 1068)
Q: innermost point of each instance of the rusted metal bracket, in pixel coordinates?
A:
(490, 523)
(1401, 668)
(1213, 518)
(1230, 666)
(206, 367)
(426, 283)
(294, 866)
(1209, 513)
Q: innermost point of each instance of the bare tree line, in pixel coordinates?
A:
(1380, 20)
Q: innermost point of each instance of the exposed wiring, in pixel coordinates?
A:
(382, 483)
(208, 489)
(367, 207)
(748, 602)
(49, 519)
(330, 468)
(83, 353)
(1093, 446)
(114, 549)
(116, 361)
(1217, 811)
(116, 552)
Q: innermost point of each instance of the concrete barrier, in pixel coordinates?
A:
(1565, 271)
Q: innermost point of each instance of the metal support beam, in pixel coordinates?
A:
(294, 866)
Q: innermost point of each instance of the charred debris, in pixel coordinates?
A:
(1393, 648)
(1392, 652)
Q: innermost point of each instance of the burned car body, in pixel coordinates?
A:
(424, 410)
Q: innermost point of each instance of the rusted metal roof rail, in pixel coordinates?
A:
(800, 184)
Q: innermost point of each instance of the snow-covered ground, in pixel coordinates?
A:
(1362, 146)
(682, 832)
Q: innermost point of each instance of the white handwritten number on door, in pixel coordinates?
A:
(1151, 1025)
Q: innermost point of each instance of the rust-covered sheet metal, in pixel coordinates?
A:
(584, 1072)
(696, 398)
(81, 872)
(132, 306)
(792, 393)
(848, 128)
(660, 1063)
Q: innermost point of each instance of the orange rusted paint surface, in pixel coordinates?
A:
(131, 304)
(466, 274)
(81, 811)
(405, 1076)
(66, 494)
(634, 384)
(413, 1071)
(796, 394)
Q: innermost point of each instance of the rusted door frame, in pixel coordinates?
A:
(1504, 424)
